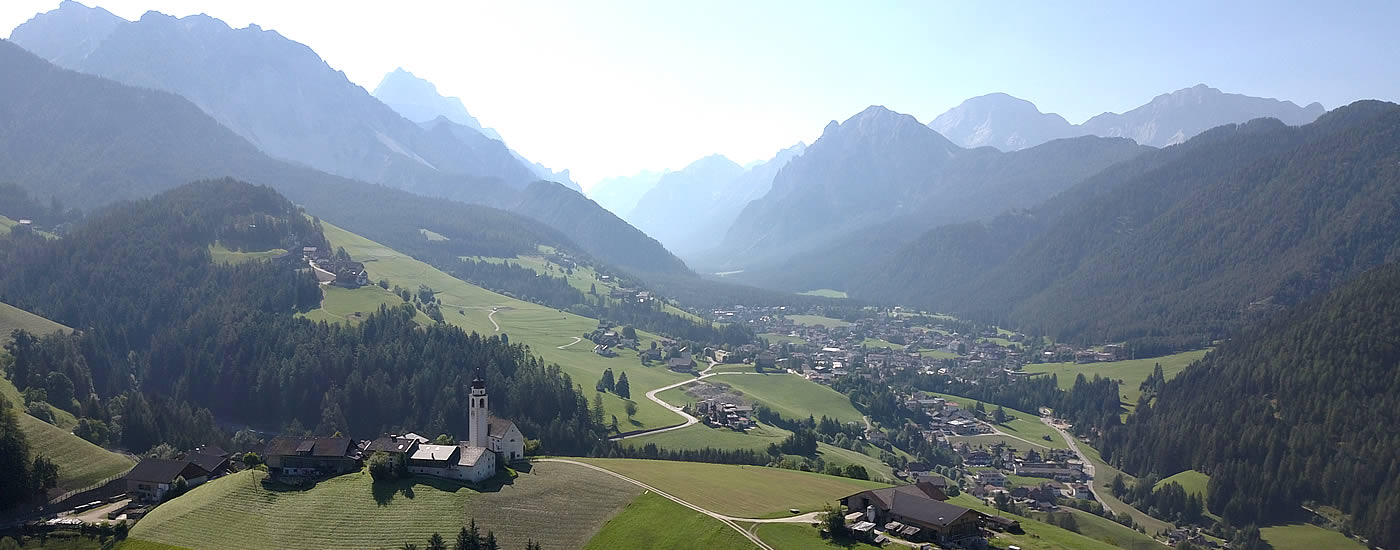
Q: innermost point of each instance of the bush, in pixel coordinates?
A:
(381, 467)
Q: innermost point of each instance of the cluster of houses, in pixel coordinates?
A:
(331, 270)
(918, 513)
(492, 442)
(606, 337)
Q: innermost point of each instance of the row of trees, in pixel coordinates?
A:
(469, 538)
(620, 386)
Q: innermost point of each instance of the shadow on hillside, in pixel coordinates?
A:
(386, 491)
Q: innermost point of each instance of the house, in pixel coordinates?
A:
(212, 463)
(351, 274)
(462, 462)
(765, 360)
(990, 477)
(935, 520)
(681, 364)
(721, 356)
(152, 478)
(300, 457)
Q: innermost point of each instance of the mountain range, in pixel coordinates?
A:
(711, 192)
(1009, 123)
(281, 97)
(620, 194)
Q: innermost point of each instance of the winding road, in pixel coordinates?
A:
(1088, 465)
(727, 520)
(689, 420)
(576, 340)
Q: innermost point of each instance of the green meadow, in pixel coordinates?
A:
(653, 521)
(1132, 372)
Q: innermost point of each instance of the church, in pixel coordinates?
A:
(491, 441)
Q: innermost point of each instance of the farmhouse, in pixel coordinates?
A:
(914, 506)
(461, 462)
(307, 457)
(152, 478)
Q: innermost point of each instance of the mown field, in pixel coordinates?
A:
(653, 521)
(352, 305)
(1132, 372)
(1103, 529)
(1037, 535)
(792, 396)
(544, 329)
(1190, 480)
(560, 505)
(814, 320)
(701, 436)
(1307, 537)
(12, 318)
(738, 491)
(800, 536)
(79, 463)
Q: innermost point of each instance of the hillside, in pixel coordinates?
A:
(879, 179)
(149, 141)
(352, 512)
(1311, 397)
(13, 318)
(1159, 237)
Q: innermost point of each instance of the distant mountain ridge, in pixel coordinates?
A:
(711, 192)
(620, 194)
(1009, 123)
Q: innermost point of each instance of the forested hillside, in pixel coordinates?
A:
(175, 340)
(1301, 408)
(1175, 248)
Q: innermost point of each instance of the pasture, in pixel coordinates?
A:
(825, 293)
(560, 505)
(1304, 536)
(653, 521)
(792, 396)
(352, 305)
(1103, 529)
(12, 318)
(700, 436)
(544, 329)
(1132, 372)
(1037, 535)
(222, 255)
(1190, 480)
(738, 491)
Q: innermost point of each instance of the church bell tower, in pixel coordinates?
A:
(477, 414)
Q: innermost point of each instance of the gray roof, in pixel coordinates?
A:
(434, 452)
(470, 455)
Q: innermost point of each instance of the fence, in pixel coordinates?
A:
(92, 487)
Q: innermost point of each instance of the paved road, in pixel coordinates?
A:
(576, 340)
(492, 317)
(689, 420)
(727, 520)
(1088, 465)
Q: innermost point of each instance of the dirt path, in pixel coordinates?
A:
(492, 317)
(576, 340)
(727, 520)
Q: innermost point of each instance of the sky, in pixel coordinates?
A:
(609, 88)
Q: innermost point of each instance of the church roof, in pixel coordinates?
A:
(470, 455)
(496, 426)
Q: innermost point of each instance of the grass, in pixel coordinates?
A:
(559, 505)
(80, 463)
(6, 224)
(799, 536)
(432, 235)
(701, 436)
(223, 255)
(653, 521)
(1103, 476)
(132, 544)
(738, 491)
(1306, 537)
(12, 318)
(1132, 372)
(543, 329)
(340, 304)
(792, 396)
(776, 338)
(1190, 480)
(1037, 535)
(1103, 529)
(813, 320)
(825, 293)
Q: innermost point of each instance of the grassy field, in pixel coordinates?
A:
(653, 521)
(1103, 476)
(798, 536)
(1307, 537)
(223, 255)
(6, 224)
(813, 320)
(12, 318)
(700, 436)
(432, 235)
(776, 338)
(1022, 424)
(1191, 480)
(560, 505)
(79, 463)
(542, 328)
(1037, 535)
(340, 304)
(792, 396)
(1132, 372)
(1106, 530)
(739, 491)
(825, 293)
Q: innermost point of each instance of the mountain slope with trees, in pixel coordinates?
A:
(1301, 408)
(1157, 248)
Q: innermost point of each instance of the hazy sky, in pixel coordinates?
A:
(611, 88)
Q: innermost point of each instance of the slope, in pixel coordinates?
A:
(546, 505)
(1311, 398)
(13, 318)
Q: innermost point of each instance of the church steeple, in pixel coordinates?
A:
(478, 413)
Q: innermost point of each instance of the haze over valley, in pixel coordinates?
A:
(481, 276)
